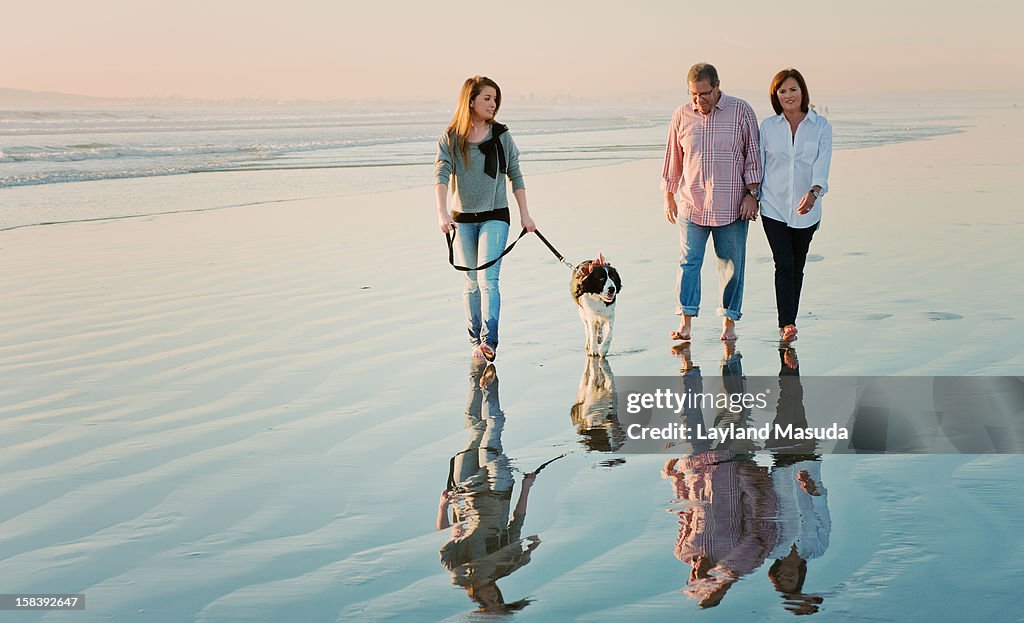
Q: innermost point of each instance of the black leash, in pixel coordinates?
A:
(450, 238)
(452, 485)
(546, 463)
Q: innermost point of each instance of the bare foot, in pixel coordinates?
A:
(788, 333)
(728, 349)
(683, 333)
(488, 376)
(789, 358)
(683, 352)
(728, 330)
(486, 351)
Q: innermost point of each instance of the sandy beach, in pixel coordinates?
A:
(248, 414)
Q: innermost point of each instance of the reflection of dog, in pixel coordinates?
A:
(594, 413)
(595, 285)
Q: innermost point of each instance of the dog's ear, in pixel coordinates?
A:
(579, 289)
(576, 285)
(614, 274)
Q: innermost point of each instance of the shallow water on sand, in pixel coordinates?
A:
(252, 415)
(605, 536)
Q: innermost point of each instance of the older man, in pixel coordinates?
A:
(713, 165)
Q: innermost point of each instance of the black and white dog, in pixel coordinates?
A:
(595, 285)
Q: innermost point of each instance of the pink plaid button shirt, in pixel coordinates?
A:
(710, 159)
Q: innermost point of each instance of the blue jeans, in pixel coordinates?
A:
(482, 465)
(479, 243)
(730, 247)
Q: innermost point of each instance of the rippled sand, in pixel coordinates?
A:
(249, 414)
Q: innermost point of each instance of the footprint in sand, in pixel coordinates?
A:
(943, 316)
(815, 258)
(879, 316)
(762, 259)
(632, 351)
(856, 253)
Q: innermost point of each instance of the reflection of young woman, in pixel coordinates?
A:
(477, 154)
(485, 545)
(796, 151)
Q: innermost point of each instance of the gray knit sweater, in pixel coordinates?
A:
(476, 190)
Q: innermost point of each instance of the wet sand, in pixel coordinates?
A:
(248, 414)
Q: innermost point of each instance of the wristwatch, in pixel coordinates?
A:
(753, 192)
(816, 193)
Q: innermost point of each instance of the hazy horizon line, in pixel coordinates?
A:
(10, 96)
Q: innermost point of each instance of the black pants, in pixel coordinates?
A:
(789, 250)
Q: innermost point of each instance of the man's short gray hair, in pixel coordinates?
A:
(701, 72)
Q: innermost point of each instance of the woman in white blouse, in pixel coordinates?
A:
(796, 151)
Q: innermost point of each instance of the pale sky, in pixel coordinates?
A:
(316, 49)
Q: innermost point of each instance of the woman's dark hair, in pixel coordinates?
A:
(782, 76)
(773, 575)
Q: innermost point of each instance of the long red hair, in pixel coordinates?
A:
(462, 120)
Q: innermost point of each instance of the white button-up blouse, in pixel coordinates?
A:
(792, 165)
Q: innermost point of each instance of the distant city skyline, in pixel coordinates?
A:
(318, 50)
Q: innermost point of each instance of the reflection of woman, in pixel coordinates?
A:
(481, 155)
(485, 545)
(796, 153)
(804, 527)
(804, 523)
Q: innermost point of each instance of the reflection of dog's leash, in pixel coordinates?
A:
(450, 237)
(452, 485)
(546, 463)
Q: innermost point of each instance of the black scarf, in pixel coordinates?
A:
(494, 155)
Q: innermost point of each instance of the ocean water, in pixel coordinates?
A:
(203, 420)
(71, 165)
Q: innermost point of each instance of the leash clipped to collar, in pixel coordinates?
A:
(553, 250)
(450, 238)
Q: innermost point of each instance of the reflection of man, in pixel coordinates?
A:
(713, 162)
(485, 544)
(727, 506)
(726, 526)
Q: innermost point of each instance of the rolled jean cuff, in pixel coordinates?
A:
(728, 313)
(689, 311)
